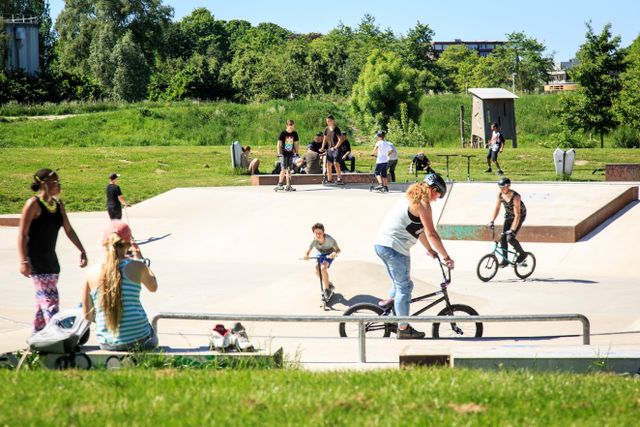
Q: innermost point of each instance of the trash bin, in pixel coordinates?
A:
(564, 161)
(236, 153)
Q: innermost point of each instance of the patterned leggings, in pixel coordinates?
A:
(47, 300)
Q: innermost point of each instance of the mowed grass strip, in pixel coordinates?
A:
(293, 397)
(149, 171)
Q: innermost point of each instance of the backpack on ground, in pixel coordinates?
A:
(66, 332)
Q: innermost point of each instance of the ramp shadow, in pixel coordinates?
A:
(357, 299)
(548, 280)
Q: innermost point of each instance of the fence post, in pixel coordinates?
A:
(361, 339)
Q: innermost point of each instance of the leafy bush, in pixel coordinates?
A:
(626, 137)
(565, 139)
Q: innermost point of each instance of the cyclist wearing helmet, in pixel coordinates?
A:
(408, 221)
(515, 213)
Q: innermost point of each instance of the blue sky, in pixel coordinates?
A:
(559, 25)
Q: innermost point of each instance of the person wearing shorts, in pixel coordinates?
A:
(496, 146)
(331, 146)
(328, 250)
(382, 151)
(287, 149)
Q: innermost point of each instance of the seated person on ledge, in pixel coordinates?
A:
(111, 295)
(247, 163)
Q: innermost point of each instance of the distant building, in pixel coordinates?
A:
(483, 47)
(559, 80)
(22, 44)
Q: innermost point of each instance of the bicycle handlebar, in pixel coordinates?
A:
(446, 276)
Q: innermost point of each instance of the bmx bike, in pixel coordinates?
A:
(384, 329)
(488, 265)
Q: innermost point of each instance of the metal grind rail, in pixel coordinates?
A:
(361, 320)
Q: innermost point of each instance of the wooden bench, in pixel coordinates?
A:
(305, 179)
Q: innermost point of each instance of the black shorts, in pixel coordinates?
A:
(381, 169)
(286, 162)
(493, 155)
(332, 156)
(115, 212)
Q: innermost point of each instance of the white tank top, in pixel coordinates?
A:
(400, 229)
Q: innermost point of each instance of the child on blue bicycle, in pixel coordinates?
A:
(328, 249)
(515, 213)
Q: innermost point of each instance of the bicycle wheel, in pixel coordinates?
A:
(526, 267)
(372, 329)
(487, 267)
(458, 329)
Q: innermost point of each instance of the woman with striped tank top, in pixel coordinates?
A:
(111, 295)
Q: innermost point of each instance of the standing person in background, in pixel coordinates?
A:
(248, 163)
(345, 154)
(496, 145)
(393, 162)
(111, 294)
(287, 148)
(41, 219)
(115, 199)
(410, 220)
(381, 151)
(331, 146)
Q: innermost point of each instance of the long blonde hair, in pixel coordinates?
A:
(419, 192)
(110, 281)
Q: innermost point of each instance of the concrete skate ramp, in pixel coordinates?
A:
(238, 250)
(558, 213)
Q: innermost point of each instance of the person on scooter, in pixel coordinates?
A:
(515, 213)
(328, 250)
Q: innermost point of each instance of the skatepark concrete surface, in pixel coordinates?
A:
(238, 250)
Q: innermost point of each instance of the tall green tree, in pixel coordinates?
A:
(81, 20)
(459, 64)
(627, 106)
(131, 73)
(524, 57)
(384, 84)
(590, 108)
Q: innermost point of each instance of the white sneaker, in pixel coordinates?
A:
(241, 339)
(220, 339)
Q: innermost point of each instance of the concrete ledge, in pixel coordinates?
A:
(622, 172)
(568, 359)
(544, 233)
(90, 357)
(302, 179)
(9, 221)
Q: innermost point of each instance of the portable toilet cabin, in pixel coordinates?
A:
(492, 105)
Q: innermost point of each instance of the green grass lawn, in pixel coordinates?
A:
(433, 396)
(149, 171)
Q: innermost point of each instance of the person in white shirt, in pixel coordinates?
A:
(382, 151)
(496, 145)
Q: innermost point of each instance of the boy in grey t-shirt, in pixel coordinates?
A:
(328, 249)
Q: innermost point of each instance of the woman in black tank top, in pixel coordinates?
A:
(42, 217)
(515, 213)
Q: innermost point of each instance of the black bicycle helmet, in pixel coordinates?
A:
(504, 182)
(434, 180)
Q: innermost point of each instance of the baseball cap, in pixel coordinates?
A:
(119, 227)
(319, 133)
(380, 133)
(114, 176)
